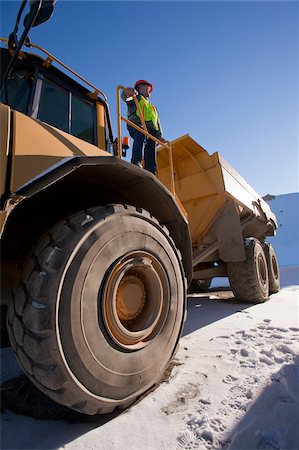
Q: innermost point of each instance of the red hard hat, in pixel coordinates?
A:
(143, 82)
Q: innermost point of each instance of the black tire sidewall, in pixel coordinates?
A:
(260, 254)
(274, 275)
(93, 360)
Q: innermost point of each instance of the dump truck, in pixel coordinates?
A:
(97, 254)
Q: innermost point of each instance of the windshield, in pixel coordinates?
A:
(19, 86)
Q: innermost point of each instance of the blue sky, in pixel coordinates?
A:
(224, 72)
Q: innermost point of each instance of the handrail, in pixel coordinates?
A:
(50, 58)
(143, 131)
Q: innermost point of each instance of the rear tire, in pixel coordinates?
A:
(99, 311)
(249, 279)
(273, 268)
(199, 286)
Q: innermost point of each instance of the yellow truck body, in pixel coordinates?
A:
(222, 208)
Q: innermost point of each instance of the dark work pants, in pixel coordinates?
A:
(149, 150)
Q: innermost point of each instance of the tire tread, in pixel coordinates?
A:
(242, 275)
(31, 317)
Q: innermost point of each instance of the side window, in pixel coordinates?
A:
(83, 119)
(67, 111)
(18, 90)
(54, 105)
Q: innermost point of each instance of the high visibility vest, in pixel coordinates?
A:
(148, 111)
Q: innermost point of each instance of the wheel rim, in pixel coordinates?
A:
(262, 270)
(135, 300)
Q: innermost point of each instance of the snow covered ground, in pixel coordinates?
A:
(233, 384)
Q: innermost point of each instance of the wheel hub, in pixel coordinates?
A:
(130, 298)
(135, 300)
(262, 269)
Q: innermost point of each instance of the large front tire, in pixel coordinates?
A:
(98, 314)
(249, 279)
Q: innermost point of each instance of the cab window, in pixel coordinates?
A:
(82, 119)
(67, 111)
(54, 105)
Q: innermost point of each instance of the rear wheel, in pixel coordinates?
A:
(273, 268)
(197, 286)
(99, 311)
(249, 279)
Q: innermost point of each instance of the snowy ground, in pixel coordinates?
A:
(234, 384)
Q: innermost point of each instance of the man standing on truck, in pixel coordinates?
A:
(143, 89)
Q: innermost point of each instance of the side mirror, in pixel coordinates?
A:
(44, 14)
(40, 11)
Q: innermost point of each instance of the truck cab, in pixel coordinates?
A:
(63, 110)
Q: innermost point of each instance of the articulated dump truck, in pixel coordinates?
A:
(97, 254)
(228, 221)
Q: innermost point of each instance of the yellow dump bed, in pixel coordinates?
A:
(222, 208)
